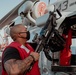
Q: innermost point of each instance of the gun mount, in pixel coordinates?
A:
(49, 38)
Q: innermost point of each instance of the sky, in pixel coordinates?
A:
(7, 5)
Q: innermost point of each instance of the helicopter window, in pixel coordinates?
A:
(73, 46)
(73, 50)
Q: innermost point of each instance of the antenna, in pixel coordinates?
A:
(48, 2)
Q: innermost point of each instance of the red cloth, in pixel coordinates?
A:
(23, 55)
(65, 54)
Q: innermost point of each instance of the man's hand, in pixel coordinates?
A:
(35, 55)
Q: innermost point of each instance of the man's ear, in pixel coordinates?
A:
(18, 35)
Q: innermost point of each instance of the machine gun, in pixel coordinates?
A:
(49, 38)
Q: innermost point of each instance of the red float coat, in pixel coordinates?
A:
(23, 54)
(65, 54)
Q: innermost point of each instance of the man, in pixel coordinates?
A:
(19, 55)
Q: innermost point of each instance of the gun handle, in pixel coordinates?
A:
(59, 12)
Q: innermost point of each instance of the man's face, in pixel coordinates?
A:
(24, 33)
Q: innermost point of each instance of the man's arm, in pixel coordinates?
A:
(13, 63)
(16, 67)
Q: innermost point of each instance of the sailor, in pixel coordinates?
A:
(19, 57)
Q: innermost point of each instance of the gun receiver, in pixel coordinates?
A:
(46, 31)
(49, 37)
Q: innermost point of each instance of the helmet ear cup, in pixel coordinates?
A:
(38, 9)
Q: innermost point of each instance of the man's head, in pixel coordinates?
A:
(19, 31)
